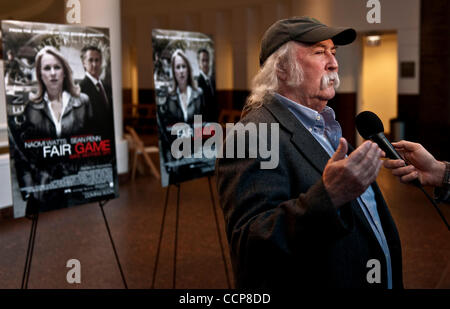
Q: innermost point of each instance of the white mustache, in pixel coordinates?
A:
(328, 78)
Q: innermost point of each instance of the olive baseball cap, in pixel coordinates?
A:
(302, 29)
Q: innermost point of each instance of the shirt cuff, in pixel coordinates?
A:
(442, 194)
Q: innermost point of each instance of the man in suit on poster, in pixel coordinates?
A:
(206, 82)
(317, 219)
(99, 92)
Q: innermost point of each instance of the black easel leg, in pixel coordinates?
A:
(161, 232)
(176, 238)
(101, 204)
(218, 233)
(29, 258)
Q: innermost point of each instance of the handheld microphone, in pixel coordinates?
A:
(371, 127)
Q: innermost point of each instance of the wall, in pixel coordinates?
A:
(237, 27)
(51, 11)
(431, 118)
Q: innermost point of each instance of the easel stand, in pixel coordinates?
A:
(161, 232)
(177, 213)
(26, 271)
(31, 242)
(222, 249)
(101, 204)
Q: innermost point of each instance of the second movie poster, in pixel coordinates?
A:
(186, 103)
(60, 115)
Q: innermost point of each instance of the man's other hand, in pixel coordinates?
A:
(346, 178)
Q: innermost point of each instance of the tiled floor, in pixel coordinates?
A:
(135, 219)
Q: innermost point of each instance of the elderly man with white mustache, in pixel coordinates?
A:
(317, 220)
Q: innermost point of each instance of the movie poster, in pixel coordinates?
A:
(60, 115)
(186, 102)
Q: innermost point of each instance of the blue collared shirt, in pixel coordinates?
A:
(327, 131)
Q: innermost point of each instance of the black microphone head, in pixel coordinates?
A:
(368, 124)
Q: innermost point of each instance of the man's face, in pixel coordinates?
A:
(203, 61)
(92, 63)
(318, 61)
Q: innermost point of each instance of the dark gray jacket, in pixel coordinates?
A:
(282, 227)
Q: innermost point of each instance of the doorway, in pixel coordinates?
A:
(379, 91)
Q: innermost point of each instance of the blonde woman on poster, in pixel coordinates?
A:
(56, 110)
(186, 100)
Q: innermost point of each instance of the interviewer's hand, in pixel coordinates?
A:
(422, 165)
(347, 178)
